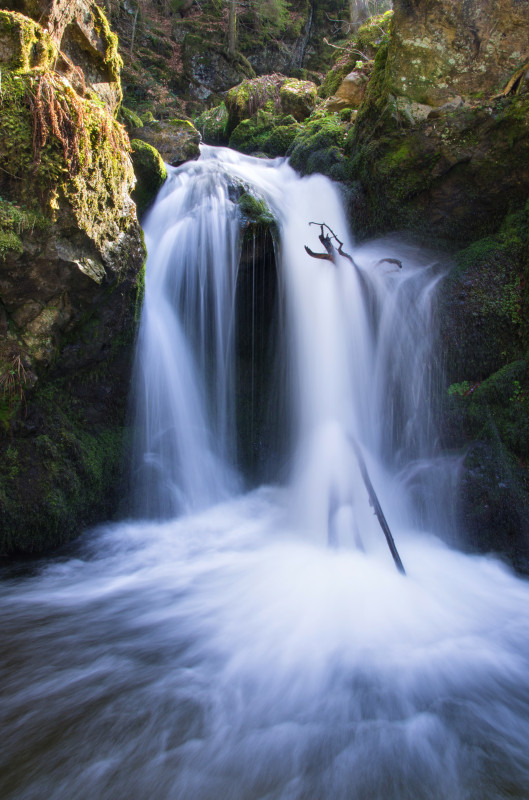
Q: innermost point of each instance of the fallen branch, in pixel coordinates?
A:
(326, 241)
(374, 502)
(512, 82)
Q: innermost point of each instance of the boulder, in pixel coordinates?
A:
(298, 98)
(440, 49)
(176, 140)
(350, 92)
(272, 93)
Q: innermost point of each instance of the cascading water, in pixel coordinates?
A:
(215, 646)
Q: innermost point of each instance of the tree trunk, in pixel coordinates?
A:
(232, 27)
(134, 29)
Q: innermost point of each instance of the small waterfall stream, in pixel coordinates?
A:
(213, 647)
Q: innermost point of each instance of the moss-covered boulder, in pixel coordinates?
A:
(265, 133)
(212, 125)
(318, 147)
(272, 93)
(70, 260)
(177, 140)
(298, 98)
(150, 172)
(86, 48)
(441, 140)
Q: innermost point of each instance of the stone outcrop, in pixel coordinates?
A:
(70, 255)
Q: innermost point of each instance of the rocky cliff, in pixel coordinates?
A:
(70, 256)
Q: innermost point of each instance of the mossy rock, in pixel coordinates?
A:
(318, 147)
(213, 124)
(24, 44)
(255, 210)
(249, 96)
(177, 140)
(130, 119)
(298, 98)
(150, 172)
(483, 303)
(373, 34)
(265, 133)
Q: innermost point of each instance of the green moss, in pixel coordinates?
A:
(318, 147)
(150, 172)
(43, 179)
(256, 210)
(265, 133)
(24, 44)
(129, 119)
(14, 221)
(111, 57)
(213, 124)
(68, 475)
(298, 98)
(373, 33)
(499, 406)
(249, 96)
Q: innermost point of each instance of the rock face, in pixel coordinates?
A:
(70, 254)
(440, 49)
(436, 140)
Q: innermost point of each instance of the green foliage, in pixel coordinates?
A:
(272, 15)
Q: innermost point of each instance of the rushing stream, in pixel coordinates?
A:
(214, 646)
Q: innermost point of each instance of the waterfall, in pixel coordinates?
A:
(351, 355)
(214, 645)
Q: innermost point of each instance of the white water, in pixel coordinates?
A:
(228, 653)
